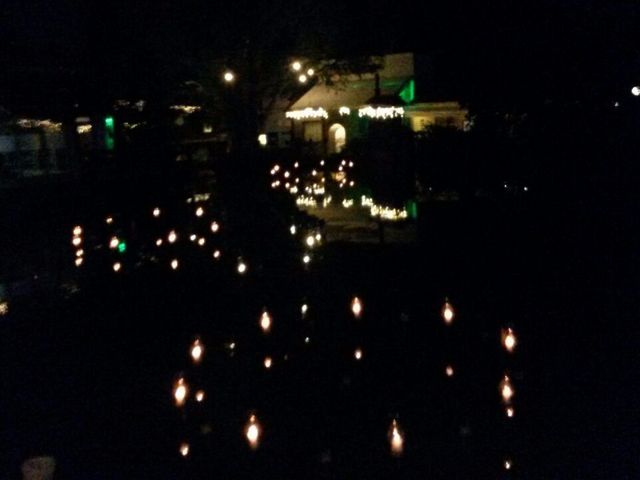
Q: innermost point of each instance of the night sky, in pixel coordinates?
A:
(510, 53)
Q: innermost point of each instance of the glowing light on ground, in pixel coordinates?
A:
(356, 307)
(265, 321)
(180, 392)
(184, 449)
(447, 312)
(509, 340)
(396, 439)
(197, 350)
(253, 432)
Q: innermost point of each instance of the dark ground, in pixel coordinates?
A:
(89, 378)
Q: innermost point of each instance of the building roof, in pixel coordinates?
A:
(356, 90)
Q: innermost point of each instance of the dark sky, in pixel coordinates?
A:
(527, 49)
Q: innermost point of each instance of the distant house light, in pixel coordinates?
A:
(381, 112)
(307, 113)
(344, 111)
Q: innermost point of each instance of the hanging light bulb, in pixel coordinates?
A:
(509, 340)
(447, 312)
(201, 241)
(77, 230)
(116, 267)
(76, 241)
(156, 212)
(510, 412)
(180, 392)
(506, 390)
(197, 350)
(199, 396)
(184, 449)
(158, 242)
(252, 432)
(396, 439)
(78, 261)
(356, 307)
(265, 321)
(267, 363)
(114, 242)
(172, 237)
(199, 211)
(215, 227)
(174, 264)
(216, 254)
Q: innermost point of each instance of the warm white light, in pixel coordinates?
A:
(310, 72)
(184, 449)
(199, 396)
(174, 264)
(296, 165)
(158, 242)
(344, 111)
(350, 164)
(79, 253)
(180, 392)
(356, 307)
(197, 349)
(109, 220)
(304, 308)
(302, 78)
(506, 390)
(358, 353)
(322, 163)
(117, 266)
(193, 237)
(78, 261)
(262, 139)
(267, 362)
(172, 237)
(199, 211)
(635, 91)
(296, 66)
(307, 339)
(396, 439)
(242, 267)
(510, 412)
(216, 254)
(509, 340)
(4, 308)
(381, 112)
(310, 240)
(113, 243)
(306, 258)
(447, 312)
(156, 212)
(77, 230)
(201, 241)
(292, 229)
(508, 464)
(229, 76)
(252, 432)
(449, 371)
(215, 227)
(76, 241)
(307, 113)
(265, 321)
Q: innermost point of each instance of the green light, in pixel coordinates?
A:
(408, 92)
(122, 247)
(109, 133)
(412, 209)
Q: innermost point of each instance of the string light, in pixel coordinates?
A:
(396, 440)
(447, 312)
(508, 464)
(449, 371)
(216, 254)
(344, 111)
(78, 261)
(310, 240)
(381, 112)
(77, 230)
(356, 307)
(79, 252)
(358, 353)
(306, 258)
(296, 66)
(174, 264)
(229, 76)
(267, 362)
(242, 267)
(197, 350)
(310, 72)
(192, 237)
(199, 211)
(302, 78)
(156, 212)
(307, 113)
(158, 242)
(76, 241)
(304, 309)
(199, 396)
(215, 227)
(510, 412)
(180, 392)
(113, 243)
(292, 229)
(109, 220)
(201, 241)
(252, 432)
(4, 308)
(117, 266)
(172, 237)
